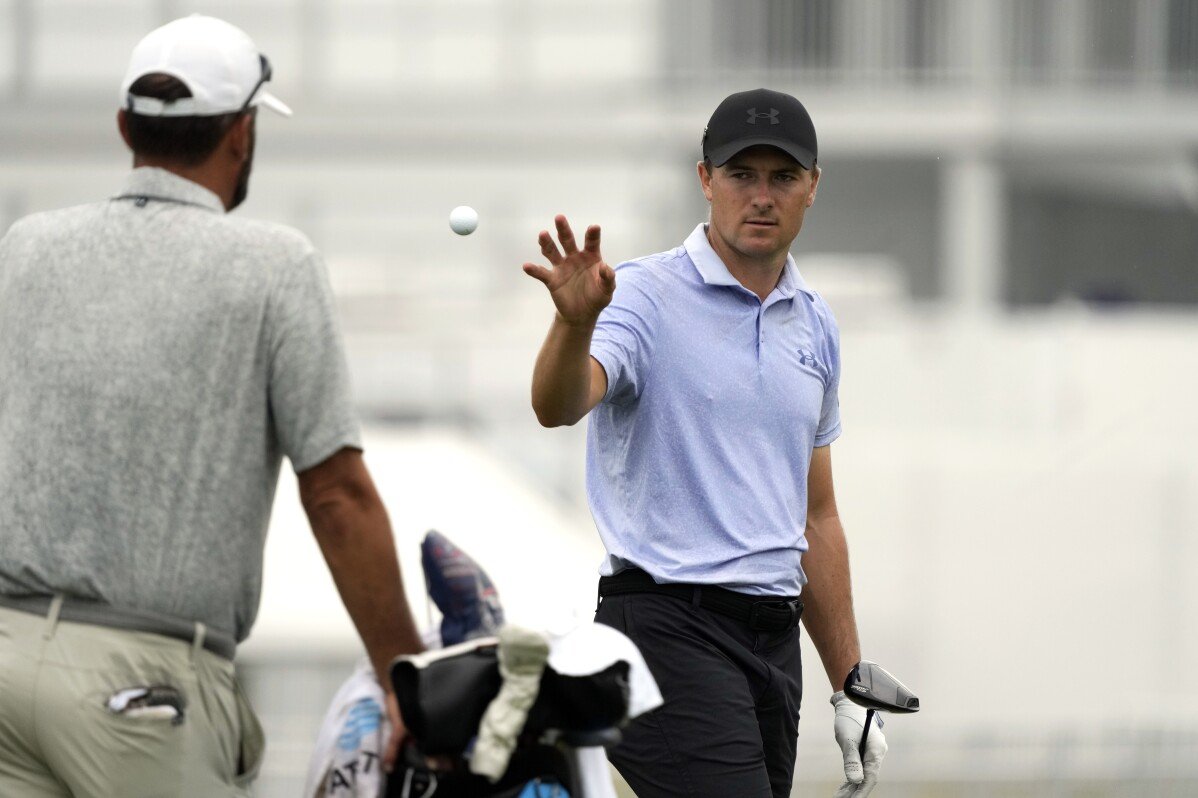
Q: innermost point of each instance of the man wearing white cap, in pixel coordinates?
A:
(158, 359)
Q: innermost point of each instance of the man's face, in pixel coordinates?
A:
(758, 199)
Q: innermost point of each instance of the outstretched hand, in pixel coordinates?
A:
(579, 282)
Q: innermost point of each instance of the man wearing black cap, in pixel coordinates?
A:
(712, 371)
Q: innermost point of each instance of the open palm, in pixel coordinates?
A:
(579, 282)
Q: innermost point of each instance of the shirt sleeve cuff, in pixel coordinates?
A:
(828, 437)
(610, 363)
(315, 454)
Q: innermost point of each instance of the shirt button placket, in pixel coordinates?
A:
(760, 331)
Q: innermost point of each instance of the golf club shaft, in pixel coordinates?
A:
(869, 717)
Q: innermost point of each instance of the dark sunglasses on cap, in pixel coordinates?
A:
(266, 73)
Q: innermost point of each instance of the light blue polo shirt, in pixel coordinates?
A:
(697, 457)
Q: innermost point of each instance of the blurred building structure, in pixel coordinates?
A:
(1006, 227)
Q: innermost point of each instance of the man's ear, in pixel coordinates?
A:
(122, 124)
(704, 179)
(815, 173)
(239, 138)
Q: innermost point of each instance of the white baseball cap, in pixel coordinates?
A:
(216, 61)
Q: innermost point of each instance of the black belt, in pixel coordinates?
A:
(761, 613)
(100, 614)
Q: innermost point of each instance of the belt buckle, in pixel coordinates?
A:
(756, 623)
(791, 608)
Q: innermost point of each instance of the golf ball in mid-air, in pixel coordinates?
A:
(463, 220)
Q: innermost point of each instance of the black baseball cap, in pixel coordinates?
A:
(760, 116)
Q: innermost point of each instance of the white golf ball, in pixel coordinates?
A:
(463, 220)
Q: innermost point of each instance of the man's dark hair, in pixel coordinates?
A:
(187, 140)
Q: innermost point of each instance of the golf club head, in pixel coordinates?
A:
(871, 686)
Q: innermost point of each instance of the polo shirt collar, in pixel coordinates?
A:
(155, 183)
(713, 271)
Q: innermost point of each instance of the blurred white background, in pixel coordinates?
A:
(1007, 229)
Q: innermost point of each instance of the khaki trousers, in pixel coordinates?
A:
(59, 737)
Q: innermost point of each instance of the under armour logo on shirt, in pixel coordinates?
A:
(772, 116)
(806, 358)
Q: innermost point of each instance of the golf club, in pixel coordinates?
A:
(873, 687)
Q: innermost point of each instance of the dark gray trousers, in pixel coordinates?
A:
(730, 722)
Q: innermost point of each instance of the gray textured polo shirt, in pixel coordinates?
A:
(157, 360)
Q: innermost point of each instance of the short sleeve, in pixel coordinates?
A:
(623, 337)
(829, 416)
(310, 400)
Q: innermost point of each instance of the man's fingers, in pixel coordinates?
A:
(852, 760)
(398, 733)
(538, 272)
(866, 786)
(392, 752)
(875, 751)
(847, 790)
(607, 278)
(548, 248)
(565, 235)
(591, 242)
(443, 763)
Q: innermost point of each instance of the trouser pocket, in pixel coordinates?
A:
(252, 741)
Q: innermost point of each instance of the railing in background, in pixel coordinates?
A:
(355, 53)
(937, 43)
(414, 46)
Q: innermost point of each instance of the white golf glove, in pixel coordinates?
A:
(860, 777)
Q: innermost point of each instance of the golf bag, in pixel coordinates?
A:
(592, 681)
(444, 695)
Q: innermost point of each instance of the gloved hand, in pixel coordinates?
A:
(860, 777)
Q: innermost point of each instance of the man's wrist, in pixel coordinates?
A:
(586, 325)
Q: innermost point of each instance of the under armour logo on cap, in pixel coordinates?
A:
(739, 122)
(754, 116)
